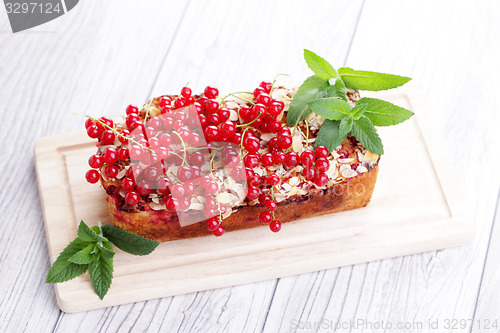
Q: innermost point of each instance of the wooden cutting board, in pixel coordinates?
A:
(417, 206)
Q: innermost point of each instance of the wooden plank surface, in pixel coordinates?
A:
(92, 60)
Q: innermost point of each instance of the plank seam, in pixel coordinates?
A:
(485, 259)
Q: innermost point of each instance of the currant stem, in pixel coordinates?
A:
(233, 93)
(243, 135)
(184, 162)
(250, 123)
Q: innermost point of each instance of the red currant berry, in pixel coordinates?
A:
(227, 129)
(322, 164)
(259, 91)
(271, 204)
(132, 198)
(278, 156)
(183, 204)
(272, 180)
(151, 173)
(267, 160)
(245, 113)
(224, 114)
(125, 134)
(258, 110)
(211, 187)
(168, 110)
(110, 155)
(89, 122)
(95, 161)
(263, 99)
(278, 104)
(263, 198)
(112, 170)
(184, 174)
(171, 204)
(254, 180)
(93, 132)
(165, 139)
(123, 153)
(275, 226)
(186, 92)
(213, 223)
(284, 131)
(284, 141)
(266, 85)
(321, 179)
(131, 119)
(198, 107)
(213, 119)
(291, 159)
(128, 184)
(212, 106)
(309, 173)
(274, 126)
(251, 160)
(144, 187)
(251, 144)
(211, 133)
(163, 185)
(321, 151)
(197, 158)
(211, 92)
(253, 193)
(107, 121)
(135, 153)
(92, 176)
(219, 231)
(132, 109)
(265, 217)
(307, 157)
(164, 101)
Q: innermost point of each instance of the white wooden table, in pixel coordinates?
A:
(104, 55)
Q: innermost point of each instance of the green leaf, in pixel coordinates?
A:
(308, 91)
(63, 270)
(106, 250)
(330, 135)
(332, 108)
(101, 275)
(366, 134)
(129, 242)
(358, 110)
(83, 257)
(319, 66)
(85, 233)
(337, 90)
(345, 127)
(365, 80)
(382, 113)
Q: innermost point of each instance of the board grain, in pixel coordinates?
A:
(417, 206)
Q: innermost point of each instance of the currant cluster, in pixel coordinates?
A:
(190, 132)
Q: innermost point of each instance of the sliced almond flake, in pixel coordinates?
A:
(201, 199)
(294, 181)
(347, 172)
(286, 187)
(122, 192)
(361, 169)
(196, 206)
(370, 159)
(297, 144)
(345, 160)
(226, 198)
(121, 174)
(267, 136)
(156, 206)
(233, 115)
(232, 105)
(227, 213)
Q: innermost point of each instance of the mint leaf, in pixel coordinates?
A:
(382, 113)
(319, 66)
(129, 242)
(106, 250)
(331, 108)
(366, 134)
(345, 127)
(330, 135)
(63, 270)
(101, 274)
(365, 80)
(357, 111)
(84, 256)
(307, 92)
(85, 233)
(337, 90)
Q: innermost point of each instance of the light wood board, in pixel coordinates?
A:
(417, 206)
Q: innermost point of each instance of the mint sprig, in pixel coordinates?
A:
(92, 251)
(325, 94)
